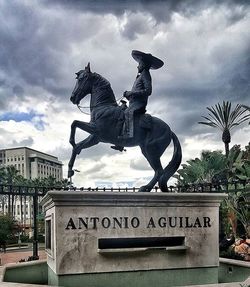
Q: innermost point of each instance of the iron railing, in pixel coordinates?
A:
(9, 192)
(218, 186)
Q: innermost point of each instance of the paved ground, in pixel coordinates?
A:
(14, 256)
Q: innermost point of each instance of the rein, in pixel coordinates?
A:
(89, 107)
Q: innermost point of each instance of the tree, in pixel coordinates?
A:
(214, 166)
(239, 163)
(210, 165)
(238, 206)
(6, 227)
(2, 181)
(224, 118)
(247, 109)
(2, 175)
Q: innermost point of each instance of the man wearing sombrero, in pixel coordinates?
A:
(141, 90)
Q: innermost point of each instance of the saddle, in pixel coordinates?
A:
(145, 120)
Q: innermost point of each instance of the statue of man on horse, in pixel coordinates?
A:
(141, 90)
(122, 126)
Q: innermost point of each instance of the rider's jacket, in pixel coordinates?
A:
(141, 90)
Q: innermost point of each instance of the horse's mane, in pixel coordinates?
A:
(101, 82)
(103, 90)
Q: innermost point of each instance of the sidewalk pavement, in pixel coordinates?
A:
(16, 256)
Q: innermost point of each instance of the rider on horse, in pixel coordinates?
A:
(106, 121)
(141, 90)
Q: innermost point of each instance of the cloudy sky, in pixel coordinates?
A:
(205, 46)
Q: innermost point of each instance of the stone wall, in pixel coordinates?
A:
(132, 234)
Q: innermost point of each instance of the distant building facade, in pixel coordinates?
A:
(31, 163)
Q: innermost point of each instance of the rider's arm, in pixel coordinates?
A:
(147, 85)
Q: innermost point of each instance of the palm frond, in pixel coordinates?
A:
(240, 121)
(208, 124)
(225, 110)
(216, 115)
(238, 115)
(212, 116)
(246, 107)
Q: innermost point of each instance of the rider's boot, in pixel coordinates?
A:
(118, 147)
(127, 133)
(128, 129)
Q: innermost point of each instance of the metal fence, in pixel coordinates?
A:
(8, 194)
(218, 186)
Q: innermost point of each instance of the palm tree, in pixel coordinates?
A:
(12, 178)
(247, 108)
(224, 118)
(205, 169)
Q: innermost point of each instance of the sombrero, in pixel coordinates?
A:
(154, 62)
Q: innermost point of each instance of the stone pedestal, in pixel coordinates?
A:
(131, 239)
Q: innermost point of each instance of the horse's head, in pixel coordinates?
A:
(83, 85)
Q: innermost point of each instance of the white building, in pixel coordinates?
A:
(31, 163)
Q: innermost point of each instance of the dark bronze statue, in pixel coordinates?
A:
(122, 126)
(141, 90)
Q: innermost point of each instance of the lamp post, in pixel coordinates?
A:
(35, 237)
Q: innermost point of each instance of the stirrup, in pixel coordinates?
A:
(118, 147)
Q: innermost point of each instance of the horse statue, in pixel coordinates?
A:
(106, 123)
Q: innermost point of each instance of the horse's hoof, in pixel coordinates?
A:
(70, 173)
(144, 188)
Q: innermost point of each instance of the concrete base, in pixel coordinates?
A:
(159, 278)
(131, 239)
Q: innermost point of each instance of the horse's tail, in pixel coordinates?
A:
(173, 165)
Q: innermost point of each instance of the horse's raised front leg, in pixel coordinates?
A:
(88, 142)
(87, 127)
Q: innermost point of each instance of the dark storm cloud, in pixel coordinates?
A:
(239, 82)
(3, 104)
(161, 10)
(135, 26)
(37, 49)
(35, 44)
(25, 142)
(14, 143)
(24, 55)
(18, 90)
(34, 47)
